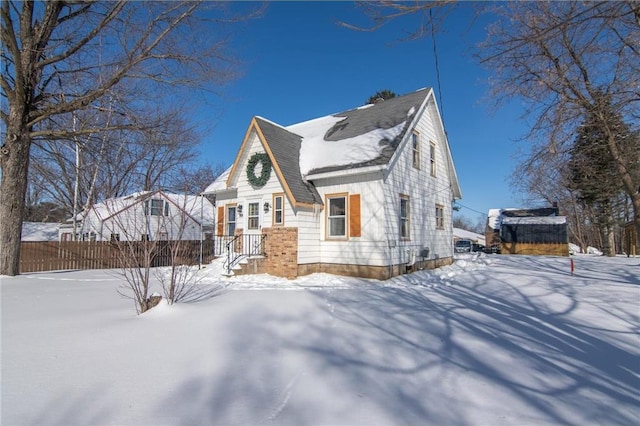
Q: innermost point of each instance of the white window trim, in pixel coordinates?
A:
(433, 156)
(275, 210)
(415, 150)
(234, 221)
(406, 219)
(345, 216)
(439, 226)
(255, 216)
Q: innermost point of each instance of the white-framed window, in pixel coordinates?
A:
(337, 216)
(432, 158)
(278, 209)
(253, 216)
(405, 217)
(415, 149)
(156, 207)
(231, 219)
(439, 216)
(114, 237)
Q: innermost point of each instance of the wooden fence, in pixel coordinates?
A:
(62, 255)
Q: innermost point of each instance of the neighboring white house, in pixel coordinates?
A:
(367, 192)
(147, 215)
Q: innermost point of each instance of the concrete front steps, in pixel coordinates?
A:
(251, 265)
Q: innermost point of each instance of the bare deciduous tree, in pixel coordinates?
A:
(556, 57)
(60, 57)
(382, 11)
(559, 58)
(194, 180)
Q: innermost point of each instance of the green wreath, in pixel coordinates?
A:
(265, 174)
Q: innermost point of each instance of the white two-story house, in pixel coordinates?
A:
(366, 192)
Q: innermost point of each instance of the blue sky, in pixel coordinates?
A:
(299, 64)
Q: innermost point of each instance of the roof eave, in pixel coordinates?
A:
(347, 172)
(220, 191)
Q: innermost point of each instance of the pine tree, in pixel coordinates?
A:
(380, 95)
(592, 170)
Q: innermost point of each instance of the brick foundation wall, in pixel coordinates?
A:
(282, 251)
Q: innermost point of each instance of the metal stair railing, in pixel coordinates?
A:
(249, 245)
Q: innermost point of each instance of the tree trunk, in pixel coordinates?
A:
(13, 187)
(635, 200)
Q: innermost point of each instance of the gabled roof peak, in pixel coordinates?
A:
(257, 117)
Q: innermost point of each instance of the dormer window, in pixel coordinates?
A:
(156, 207)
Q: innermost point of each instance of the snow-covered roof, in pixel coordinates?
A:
(286, 147)
(534, 220)
(496, 217)
(191, 204)
(467, 235)
(195, 206)
(220, 183)
(38, 231)
(358, 137)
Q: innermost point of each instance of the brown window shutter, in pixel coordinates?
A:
(220, 220)
(354, 216)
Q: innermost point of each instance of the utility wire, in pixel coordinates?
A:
(469, 208)
(435, 55)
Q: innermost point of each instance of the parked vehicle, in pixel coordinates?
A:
(463, 246)
(494, 249)
(477, 247)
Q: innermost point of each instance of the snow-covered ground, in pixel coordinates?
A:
(490, 340)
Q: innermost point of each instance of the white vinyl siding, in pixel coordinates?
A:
(246, 194)
(370, 248)
(425, 192)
